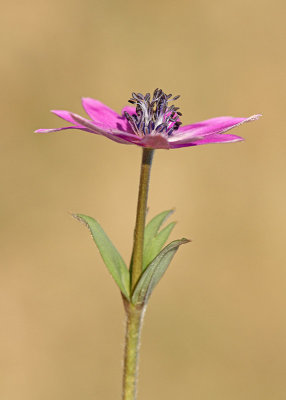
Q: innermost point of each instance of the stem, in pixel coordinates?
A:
(131, 353)
(135, 313)
(137, 254)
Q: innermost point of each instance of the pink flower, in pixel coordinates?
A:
(151, 123)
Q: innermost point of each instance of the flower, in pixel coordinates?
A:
(151, 122)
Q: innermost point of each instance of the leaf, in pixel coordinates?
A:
(151, 233)
(111, 257)
(154, 272)
(153, 226)
(156, 244)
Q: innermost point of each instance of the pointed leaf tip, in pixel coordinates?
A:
(156, 244)
(154, 272)
(154, 225)
(111, 257)
(153, 239)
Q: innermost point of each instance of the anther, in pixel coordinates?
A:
(154, 115)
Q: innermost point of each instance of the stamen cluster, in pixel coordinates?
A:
(154, 115)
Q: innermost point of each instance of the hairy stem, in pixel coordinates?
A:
(137, 255)
(131, 353)
(135, 313)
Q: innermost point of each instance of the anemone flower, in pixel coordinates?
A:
(151, 123)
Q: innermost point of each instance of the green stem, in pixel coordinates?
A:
(131, 353)
(137, 254)
(135, 313)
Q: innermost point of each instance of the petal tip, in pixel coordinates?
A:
(254, 117)
(42, 131)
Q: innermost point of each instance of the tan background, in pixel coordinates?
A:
(215, 328)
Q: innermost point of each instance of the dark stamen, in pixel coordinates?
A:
(154, 115)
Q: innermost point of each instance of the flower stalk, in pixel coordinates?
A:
(135, 313)
(131, 352)
(137, 254)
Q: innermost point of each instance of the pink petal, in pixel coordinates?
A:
(155, 142)
(209, 126)
(123, 123)
(116, 135)
(100, 113)
(64, 115)
(208, 139)
(129, 109)
(61, 129)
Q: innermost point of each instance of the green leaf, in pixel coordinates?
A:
(153, 242)
(156, 244)
(154, 272)
(112, 259)
(153, 226)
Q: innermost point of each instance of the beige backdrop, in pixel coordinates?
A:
(215, 327)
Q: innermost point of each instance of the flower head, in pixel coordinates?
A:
(150, 122)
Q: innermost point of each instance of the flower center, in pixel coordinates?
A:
(154, 115)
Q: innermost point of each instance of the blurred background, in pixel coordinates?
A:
(215, 327)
